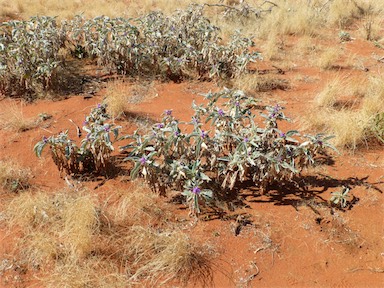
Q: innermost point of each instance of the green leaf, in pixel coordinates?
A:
(38, 148)
(135, 170)
(204, 177)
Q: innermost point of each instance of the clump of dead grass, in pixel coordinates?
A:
(371, 27)
(117, 97)
(13, 177)
(173, 254)
(94, 272)
(354, 123)
(63, 9)
(251, 83)
(329, 95)
(120, 93)
(328, 58)
(343, 12)
(273, 47)
(67, 9)
(128, 209)
(12, 118)
(75, 241)
(290, 18)
(56, 226)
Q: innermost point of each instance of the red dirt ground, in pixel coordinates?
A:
(289, 241)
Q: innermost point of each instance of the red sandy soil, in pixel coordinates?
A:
(290, 240)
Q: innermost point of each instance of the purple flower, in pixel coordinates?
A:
(107, 128)
(143, 160)
(168, 112)
(237, 103)
(177, 133)
(282, 135)
(196, 190)
(220, 112)
(159, 125)
(45, 139)
(277, 108)
(203, 134)
(246, 140)
(320, 143)
(195, 121)
(85, 123)
(99, 105)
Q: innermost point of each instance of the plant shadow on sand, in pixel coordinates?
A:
(309, 189)
(74, 79)
(303, 190)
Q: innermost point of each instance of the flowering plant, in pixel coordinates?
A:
(94, 153)
(168, 46)
(234, 150)
(29, 54)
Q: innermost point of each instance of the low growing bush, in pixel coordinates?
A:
(236, 149)
(155, 44)
(29, 54)
(94, 153)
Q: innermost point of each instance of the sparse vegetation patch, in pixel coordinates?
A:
(236, 149)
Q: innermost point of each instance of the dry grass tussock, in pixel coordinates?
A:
(89, 8)
(172, 254)
(13, 177)
(328, 58)
(354, 121)
(290, 18)
(120, 93)
(252, 84)
(308, 17)
(117, 97)
(12, 118)
(328, 96)
(63, 9)
(73, 240)
(56, 226)
(371, 27)
(299, 17)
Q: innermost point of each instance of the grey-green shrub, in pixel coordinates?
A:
(235, 150)
(29, 54)
(93, 155)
